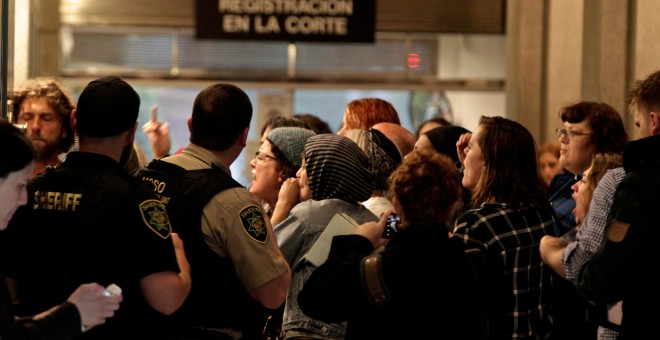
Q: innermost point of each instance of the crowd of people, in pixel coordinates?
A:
(455, 234)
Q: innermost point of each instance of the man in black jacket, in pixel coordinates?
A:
(623, 275)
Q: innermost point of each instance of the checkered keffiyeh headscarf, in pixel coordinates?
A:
(384, 156)
(337, 168)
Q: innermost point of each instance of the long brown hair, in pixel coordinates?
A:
(510, 169)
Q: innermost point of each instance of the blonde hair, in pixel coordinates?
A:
(599, 166)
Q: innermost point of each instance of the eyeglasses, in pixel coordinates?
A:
(569, 133)
(262, 157)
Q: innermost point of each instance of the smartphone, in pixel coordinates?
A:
(391, 226)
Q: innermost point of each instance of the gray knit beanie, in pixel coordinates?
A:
(291, 141)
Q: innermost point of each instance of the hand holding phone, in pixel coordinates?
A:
(391, 226)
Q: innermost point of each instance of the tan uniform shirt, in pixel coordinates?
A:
(235, 225)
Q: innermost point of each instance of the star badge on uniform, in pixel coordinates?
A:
(158, 219)
(155, 217)
(252, 220)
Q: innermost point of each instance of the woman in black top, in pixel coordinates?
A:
(421, 285)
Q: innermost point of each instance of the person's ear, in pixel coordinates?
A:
(655, 122)
(190, 124)
(282, 177)
(74, 121)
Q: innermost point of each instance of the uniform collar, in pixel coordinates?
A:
(204, 155)
(91, 160)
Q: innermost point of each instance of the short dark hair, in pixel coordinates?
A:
(220, 114)
(283, 121)
(438, 120)
(317, 124)
(608, 133)
(286, 168)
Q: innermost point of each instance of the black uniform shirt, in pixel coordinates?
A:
(87, 221)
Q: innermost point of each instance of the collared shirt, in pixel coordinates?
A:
(378, 205)
(257, 262)
(590, 237)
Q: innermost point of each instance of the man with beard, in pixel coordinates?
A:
(87, 220)
(43, 107)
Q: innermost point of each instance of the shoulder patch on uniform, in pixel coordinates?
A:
(252, 220)
(617, 231)
(155, 217)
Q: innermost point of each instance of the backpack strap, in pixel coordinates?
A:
(372, 280)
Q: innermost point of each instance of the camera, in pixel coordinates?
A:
(391, 226)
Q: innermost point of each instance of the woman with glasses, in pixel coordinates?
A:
(588, 128)
(278, 158)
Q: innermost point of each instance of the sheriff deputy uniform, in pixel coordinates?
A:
(89, 221)
(227, 243)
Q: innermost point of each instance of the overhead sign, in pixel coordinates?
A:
(289, 20)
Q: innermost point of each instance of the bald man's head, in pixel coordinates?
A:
(400, 136)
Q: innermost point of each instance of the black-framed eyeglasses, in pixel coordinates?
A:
(569, 133)
(262, 157)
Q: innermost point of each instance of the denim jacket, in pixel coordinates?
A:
(295, 235)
